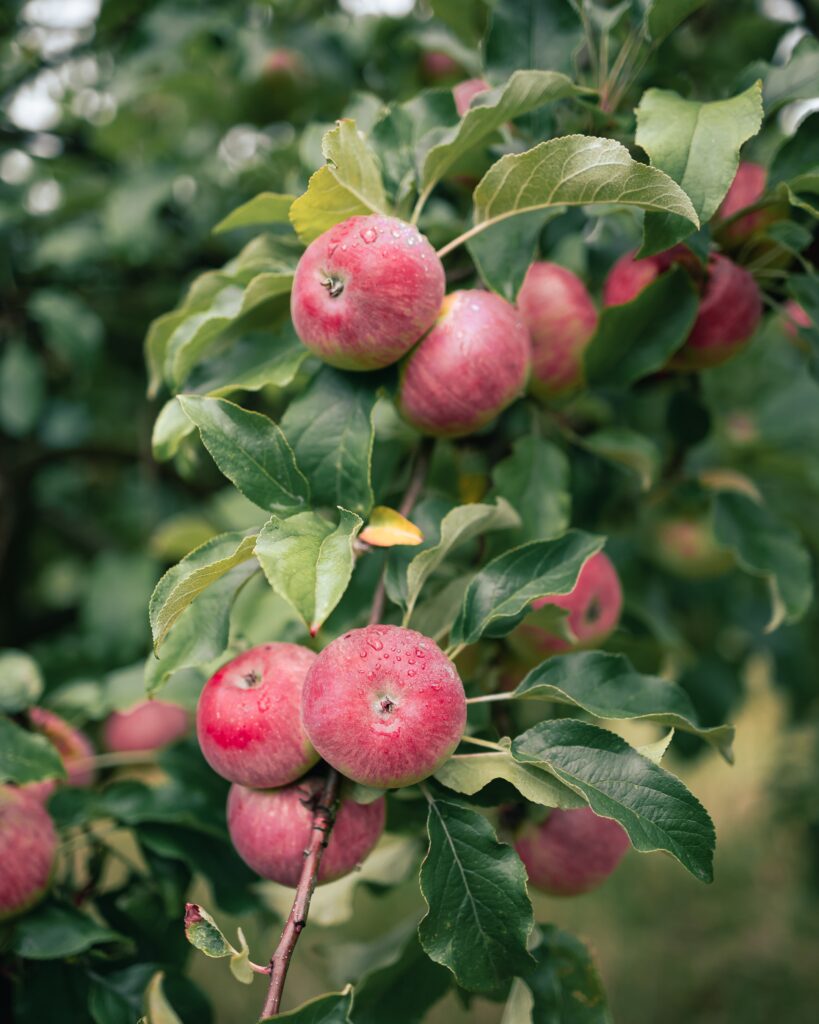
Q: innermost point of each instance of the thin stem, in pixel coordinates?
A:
(323, 819)
(608, 90)
(482, 743)
(421, 202)
(447, 249)
(453, 652)
(490, 697)
(117, 760)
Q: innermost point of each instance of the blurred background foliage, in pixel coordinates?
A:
(131, 127)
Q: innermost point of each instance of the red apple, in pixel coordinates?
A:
(270, 829)
(248, 719)
(74, 748)
(365, 291)
(571, 852)
(384, 706)
(437, 66)
(470, 367)
(561, 317)
(796, 316)
(747, 188)
(149, 725)
(729, 310)
(464, 92)
(28, 846)
(686, 545)
(594, 608)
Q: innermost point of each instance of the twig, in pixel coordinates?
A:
(482, 743)
(323, 819)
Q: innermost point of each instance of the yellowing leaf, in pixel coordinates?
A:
(388, 528)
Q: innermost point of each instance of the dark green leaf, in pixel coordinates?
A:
(628, 449)
(54, 931)
(530, 34)
(663, 16)
(534, 479)
(26, 756)
(502, 254)
(565, 985)
(409, 986)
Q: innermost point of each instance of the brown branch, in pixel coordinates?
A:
(323, 819)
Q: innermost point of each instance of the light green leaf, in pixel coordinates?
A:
(26, 756)
(21, 682)
(349, 184)
(171, 427)
(469, 773)
(240, 961)
(795, 80)
(265, 208)
(653, 806)
(500, 594)
(251, 451)
(608, 686)
(479, 915)
(309, 562)
(159, 1009)
(435, 615)
(253, 361)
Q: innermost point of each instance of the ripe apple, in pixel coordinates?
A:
(747, 188)
(686, 545)
(248, 719)
(729, 310)
(594, 608)
(270, 829)
(28, 846)
(464, 92)
(796, 317)
(561, 317)
(438, 67)
(384, 705)
(365, 291)
(149, 725)
(571, 852)
(73, 746)
(470, 367)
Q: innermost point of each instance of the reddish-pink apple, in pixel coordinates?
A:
(470, 367)
(686, 545)
(73, 746)
(796, 317)
(561, 317)
(747, 188)
(437, 67)
(248, 719)
(271, 829)
(365, 291)
(149, 725)
(593, 606)
(729, 311)
(464, 92)
(571, 852)
(384, 705)
(28, 845)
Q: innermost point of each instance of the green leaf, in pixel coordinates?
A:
(251, 451)
(795, 80)
(171, 427)
(607, 686)
(765, 546)
(308, 562)
(185, 581)
(21, 682)
(479, 914)
(330, 1009)
(55, 931)
(698, 145)
(22, 388)
(465, 18)
(265, 208)
(26, 756)
(159, 1009)
(195, 332)
(349, 184)
(457, 527)
(469, 773)
(204, 934)
(535, 480)
(799, 155)
(253, 361)
(330, 427)
(530, 34)
(565, 985)
(503, 253)
(575, 170)
(663, 16)
(638, 338)
(653, 806)
(410, 985)
(435, 615)
(498, 597)
(524, 91)
(628, 449)
(240, 961)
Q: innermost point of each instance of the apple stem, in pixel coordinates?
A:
(482, 743)
(490, 697)
(323, 820)
(117, 759)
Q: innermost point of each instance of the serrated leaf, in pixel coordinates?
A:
(608, 686)
(564, 984)
(535, 480)
(308, 561)
(21, 682)
(183, 583)
(330, 1009)
(251, 451)
(656, 751)
(348, 185)
(498, 597)
(204, 934)
(253, 361)
(26, 756)
(626, 448)
(575, 170)
(479, 915)
(265, 208)
(767, 547)
(330, 427)
(638, 338)
(157, 1006)
(458, 527)
(196, 331)
(524, 91)
(387, 528)
(663, 16)
(469, 773)
(653, 806)
(698, 145)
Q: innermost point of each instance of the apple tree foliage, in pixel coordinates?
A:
(267, 503)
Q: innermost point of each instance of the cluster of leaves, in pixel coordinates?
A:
(315, 455)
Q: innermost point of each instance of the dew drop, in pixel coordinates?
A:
(474, 307)
(344, 248)
(362, 654)
(410, 661)
(419, 653)
(412, 239)
(369, 235)
(375, 644)
(395, 233)
(411, 673)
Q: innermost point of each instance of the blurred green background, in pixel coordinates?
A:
(129, 128)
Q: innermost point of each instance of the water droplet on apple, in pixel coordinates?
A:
(375, 644)
(411, 673)
(332, 248)
(419, 653)
(362, 653)
(395, 233)
(369, 235)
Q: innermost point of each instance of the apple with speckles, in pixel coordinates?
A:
(270, 829)
(571, 852)
(248, 719)
(365, 291)
(384, 706)
(470, 367)
(28, 846)
(149, 725)
(73, 746)
(561, 317)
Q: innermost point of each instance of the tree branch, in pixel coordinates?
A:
(323, 819)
